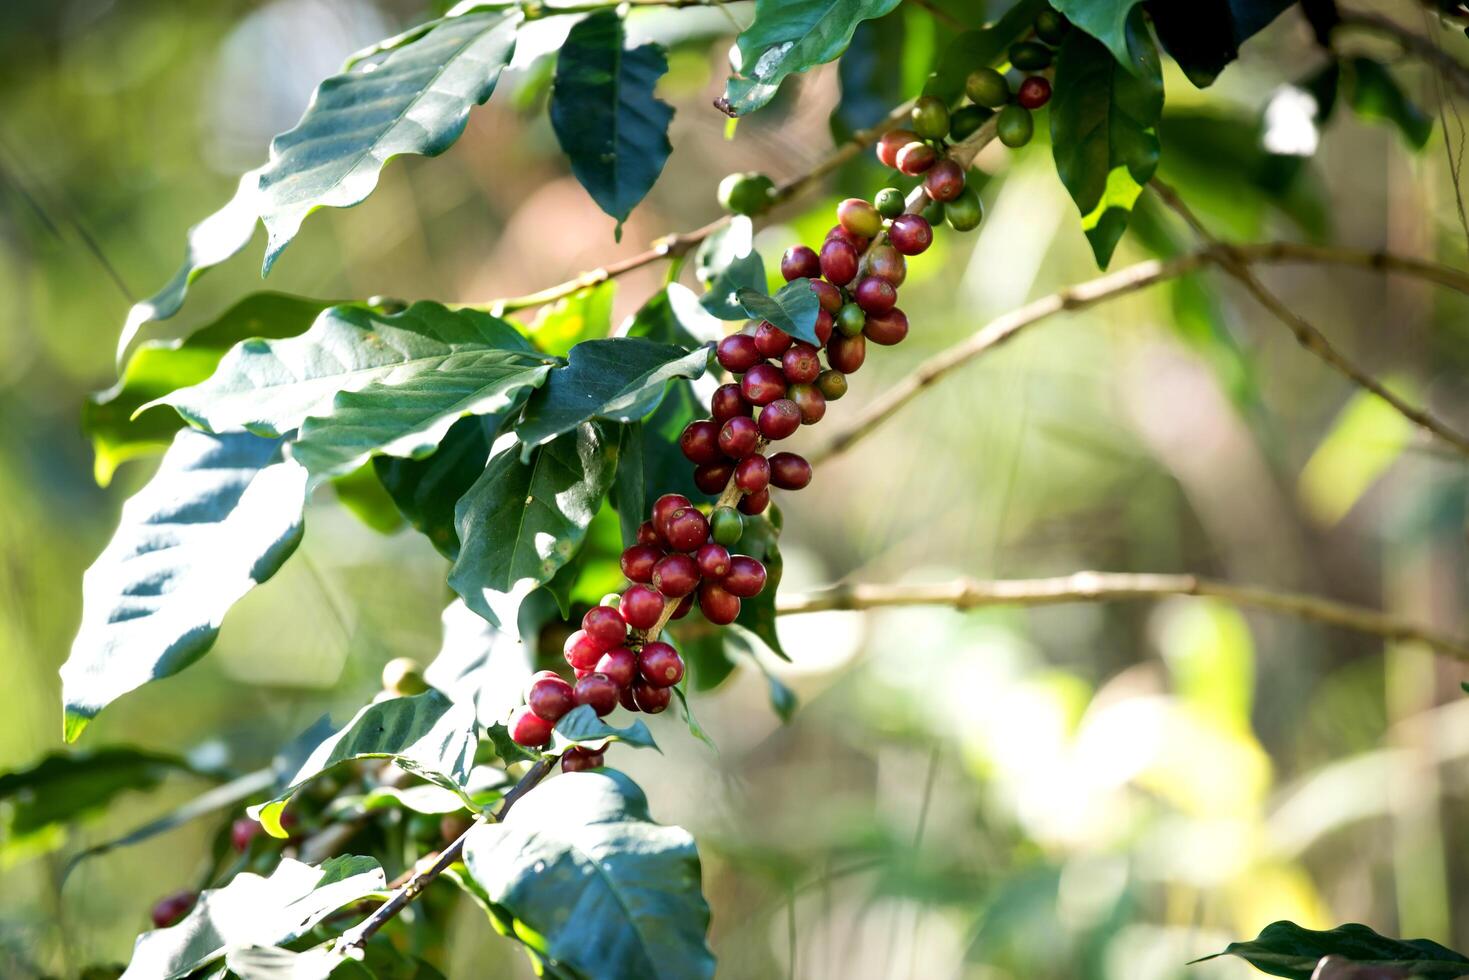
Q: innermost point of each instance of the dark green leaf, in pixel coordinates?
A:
(509, 750)
(581, 726)
(523, 519)
(254, 911)
(1374, 94)
(982, 48)
(727, 262)
(762, 542)
(871, 85)
(665, 468)
(629, 488)
(1205, 36)
(427, 490)
(788, 37)
(1113, 23)
(585, 841)
(794, 309)
(617, 378)
(219, 517)
(1284, 949)
(427, 735)
(704, 651)
(605, 115)
(1103, 133)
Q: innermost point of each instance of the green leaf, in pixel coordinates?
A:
(585, 841)
(585, 314)
(629, 487)
(982, 48)
(1205, 36)
(727, 262)
(159, 367)
(1374, 94)
(606, 118)
(1103, 130)
(676, 316)
(364, 496)
(665, 468)
(254, 911)
(1284, 949)
(581, 726)
(705, 651)
(695, 729)
(761, 541)
(219, 517)
(427, 490)
(1111, 22)
(271, 387)
(618, 379)
(523, 519)
(788, 37)
(427, 735)
(479, 665)
(794, 309)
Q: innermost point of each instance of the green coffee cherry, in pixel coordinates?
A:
(749, 193)
(931, 118)
(890, 202)
(1030, 56)
(987, 87)
(403, 677)
(965, 122)
(934, 213)
(832, 384)
(727, 526)
(965, 212)
(1051, 26)
(1015, 126)
(851, 319)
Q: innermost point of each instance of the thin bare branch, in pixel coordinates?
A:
(1423, 48)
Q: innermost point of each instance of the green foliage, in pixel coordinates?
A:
(427, 490)
(1205, 36)
(1112, 22)
(581, 726)
(981, 48)
(586, 841)
(794, 308)
(727, 262)
(1284, 949)
(1374, 94)
(761, 541)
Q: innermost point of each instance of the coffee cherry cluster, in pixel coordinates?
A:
(988, 89)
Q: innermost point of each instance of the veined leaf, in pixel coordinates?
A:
(617, 379)
(586, 842)
(1284, 949)
(254, 911)
(788, 37)
(427, 490)
(1111, 23)
(605, 115)
(581, 726)
(794, 309)
(479, 664)
(523, 519)
(219, 517)
(272, 387)
(427, 735)
(727, 262)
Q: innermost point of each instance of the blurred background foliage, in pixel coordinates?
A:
(1080, 791)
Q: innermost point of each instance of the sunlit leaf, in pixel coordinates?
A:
(794, 309)
(1284, 949)
(581, 726)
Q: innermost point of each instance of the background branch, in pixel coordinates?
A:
(1423, 48)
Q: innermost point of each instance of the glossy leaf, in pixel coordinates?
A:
(794, 309)
(427, 490)
(675, 316)
(254, 911)
(523, 519)
(479, 665)
(598, 886)
(1103, 130)
(581, 726)
(727, 262)
(870, 85)
(788, 37)
(428, 735)
(1205, 36)
(1112, 23)
(982, 48)
(608, 122)
(761, 541)
(617, 379)
(1374, 94)
(219, 517)
(1284, 949)
(271, 387)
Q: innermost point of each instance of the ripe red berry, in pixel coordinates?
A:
(550, 698)
(581, 650)
(581, 760)
(1034, 92)
(700, 442)
(891, 142)
(606, 625)
(170, 909)
(945, 181)
(915, 158)
(754, 503)
(875, 295)
(651, 699)
(597, 690)
(763, 384)
(839, 233)
(859, 217)
(753, 472)
(528, 728)
(625, 698)
(713, 559)
(736, 353)
(746, 577)
(242, 832)
(660, 665)
(712, 478)
(839, 262)
(800, 364)
(684, 605)
(642, 605)
(771, 340)
(810, 401)
(687, 529)
(789, 471)
(621, 665)
(827, 295)
(779, 419)
(887, 328)
(844, 353)
(738, 437)
(638, 561)
(665, 507)
(676, 576)
(910, 234)
(823, 325)
(800, 262)
(717, 605)
(727, 402)
(888, 263)
(648, 534)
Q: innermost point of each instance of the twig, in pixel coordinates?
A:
(357, 938)
(1411, 42)
(1111, 586)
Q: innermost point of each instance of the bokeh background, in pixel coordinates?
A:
(1079, 791)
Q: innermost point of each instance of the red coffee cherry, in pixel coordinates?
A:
(581, 650)
(832, 385)
(605, 624)
(746, 577)
(651, 699)
(827, 295)
(874, 295)
(789, 471)
(945, 181)
(1034, 92)
(580, 760)
(886, 262)
(800, 262)
(887, 328)
(717, 605)
(676, 576)
(170, 909)
(665, 507)
(727, 402)
(823, 325)
(859, 217)
(713, 559)
(838, 233)
(642, 605)
(738, 437)
(550, 698)
(844, 353)
(597, 690)
(638, 561)
(763, 384)
(770, 340)
(800, 364)
(242, 832)
(915, 158)
(910, 234)
(528, 728)
(660, 665)
(737, 353)
(625, 698)
(780, 419)
(753, 473)
(754, 503)
(700, 442)
(648, 534)
(839, 262)
(684, 605)
(687, 529)
(621, 665)
(891, 142)
(712, 478)
(810, 401)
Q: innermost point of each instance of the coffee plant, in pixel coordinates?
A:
(501, 440)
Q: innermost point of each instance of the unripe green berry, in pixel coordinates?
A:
(726, 526)
(890, 202)
(832, 384)
(931, 118)
(965, 212)
(403, 677)
(933, 213)
(851, 319)
(1030, 56)
(987, 87)
(749, 193)
(1015, 126)
(1051, 26)
(965, 122)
